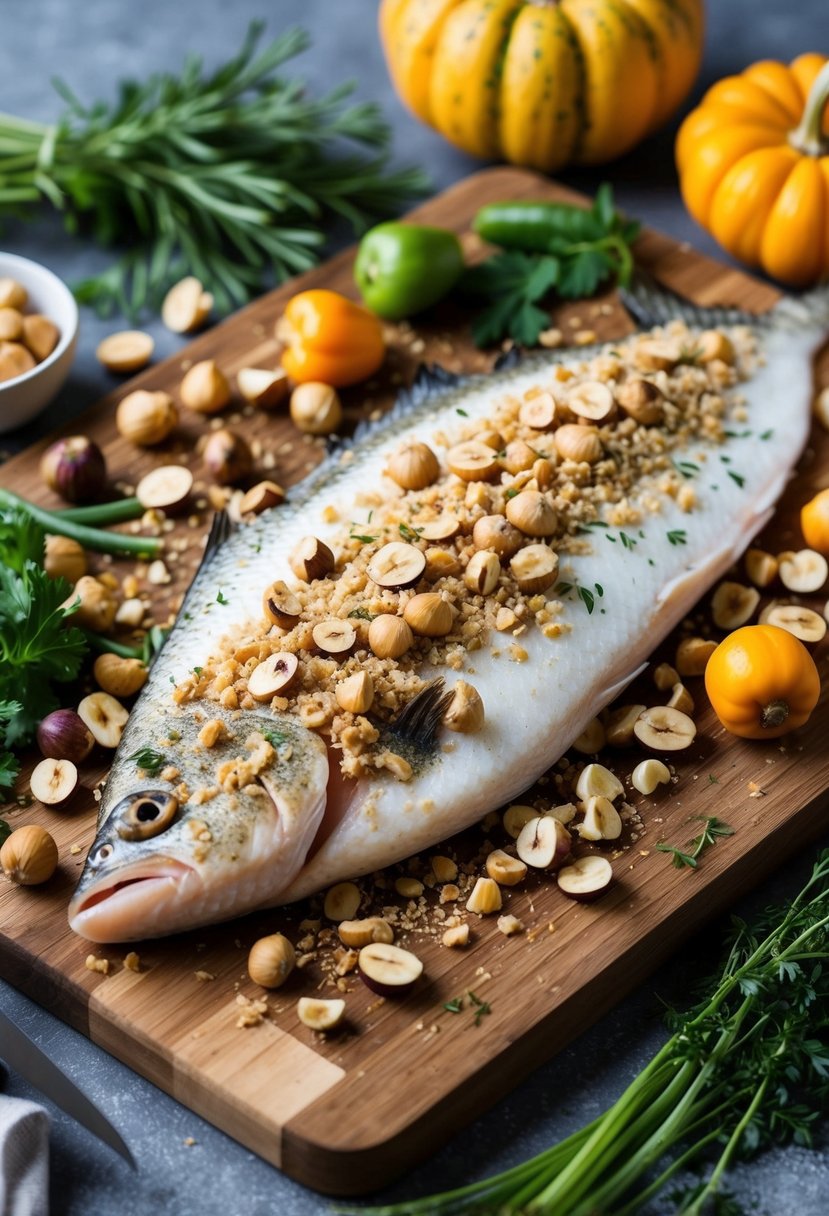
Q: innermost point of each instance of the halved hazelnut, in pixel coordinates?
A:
(165, 489)
(396, 565)
(803, 623)
(320, 1015)
(105, 717)
(665, 676)
(473, 461)
(186, 306)
(311, 559)
(761, 567)
(597, 781)
(261, 497)
(505, 870)
(620, 724)
(53, 781)
(440, 563)
(281, 606)
(804, 572)
(534, 569)
(543, 843)
(665, 729)
(388, 970)
(601, 820)
(482, 572)
(591, 399)
(274, 676)
(355, 694)
(359, 933)
(334, 637)
(733, 605)
(539, 412)
(516, 817)
(445, 527)
(342, 901)
(586, 878)
(127, 351)
(266, 388)
(681, 699)
(692, 655)
(648, 774)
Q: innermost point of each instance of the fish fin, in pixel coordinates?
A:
(221, 529)
(650, 304)
(418, 722)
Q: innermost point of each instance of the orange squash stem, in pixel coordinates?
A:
(808, 138)
(774, 714)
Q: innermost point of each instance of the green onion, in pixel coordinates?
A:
(102, 514)
(91, 538)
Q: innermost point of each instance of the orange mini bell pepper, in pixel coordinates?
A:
(329, 338)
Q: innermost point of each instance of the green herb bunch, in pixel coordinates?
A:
(568, 250)
(745, 1069)
(41, 650)
(227, 175)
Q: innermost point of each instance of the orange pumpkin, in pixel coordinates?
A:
(814, 522)
(753, 163)
(543, 82)
(329, 338)
(762, 682)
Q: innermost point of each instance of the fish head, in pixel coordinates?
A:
(205, 815)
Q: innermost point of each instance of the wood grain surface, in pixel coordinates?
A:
(349, 1113)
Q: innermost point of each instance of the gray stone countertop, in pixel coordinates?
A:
(93, 45)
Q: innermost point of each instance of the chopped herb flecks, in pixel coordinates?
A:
(678, 537)
(152, 762)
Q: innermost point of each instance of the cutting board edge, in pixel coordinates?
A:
(332, 1171)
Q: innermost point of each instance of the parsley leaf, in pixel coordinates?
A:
(36, 646)
(513, 282)
(152, 762)
(9, 768)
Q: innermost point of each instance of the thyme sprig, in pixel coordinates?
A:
(713, 829)
(227, 175)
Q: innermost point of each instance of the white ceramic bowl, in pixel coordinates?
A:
(25, 396)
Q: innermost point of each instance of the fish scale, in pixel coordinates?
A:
(534, 708)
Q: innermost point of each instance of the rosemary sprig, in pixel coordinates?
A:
(712, 830)
(226, 175)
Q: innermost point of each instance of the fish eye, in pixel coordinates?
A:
(144, 815)
(103, 853)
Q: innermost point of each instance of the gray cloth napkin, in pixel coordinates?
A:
(24, 1158)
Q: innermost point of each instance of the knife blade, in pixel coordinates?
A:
(25, 1057)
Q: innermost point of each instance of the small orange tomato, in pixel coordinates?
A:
(814, 522)
(762, 682)
(329, 339)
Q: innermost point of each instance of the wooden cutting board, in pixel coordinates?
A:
(347, 1114)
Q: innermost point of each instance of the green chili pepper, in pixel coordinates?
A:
(402, 269)
(533, 227)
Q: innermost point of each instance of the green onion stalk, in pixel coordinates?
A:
(746, 1068)
(71, 523)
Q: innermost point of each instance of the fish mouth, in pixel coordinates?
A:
(130, 903)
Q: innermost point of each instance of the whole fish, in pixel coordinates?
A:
(283, 822)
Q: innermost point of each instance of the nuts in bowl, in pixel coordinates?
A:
(38, 335)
